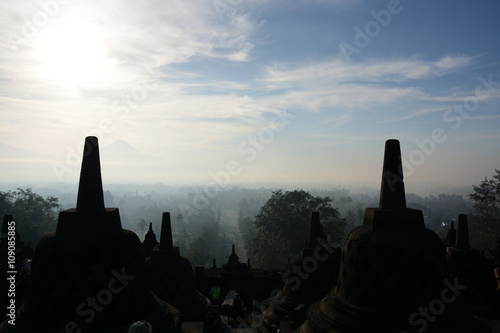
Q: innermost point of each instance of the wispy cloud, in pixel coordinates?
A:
(338, 71)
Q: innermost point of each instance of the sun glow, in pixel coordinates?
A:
(72, 51)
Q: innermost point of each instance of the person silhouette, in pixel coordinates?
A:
(140, 326)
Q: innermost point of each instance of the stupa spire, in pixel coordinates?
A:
(166, 242)
(90, 193)
(392, 192)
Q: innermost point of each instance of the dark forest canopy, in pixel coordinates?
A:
(34, 214)
(231, 216)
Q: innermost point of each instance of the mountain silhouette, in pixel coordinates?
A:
(122, 151)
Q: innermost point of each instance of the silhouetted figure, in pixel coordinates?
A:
(141, 326)
(213, 322)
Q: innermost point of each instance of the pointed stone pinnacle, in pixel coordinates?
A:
(150, 227)
(392, 192)
(233, 251)
(166, 242)
(90, 193)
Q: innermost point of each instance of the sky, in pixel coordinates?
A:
(249, 92)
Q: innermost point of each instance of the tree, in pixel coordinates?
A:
(247, 230)
(142, 225)
(486, 197)
(34, 215)
(180, 219)
(270, 250)
(199, 252)
(183, 240)
(283, 224)
(204, 247)
(486, 219)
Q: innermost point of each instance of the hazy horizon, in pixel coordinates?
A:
(251, 92)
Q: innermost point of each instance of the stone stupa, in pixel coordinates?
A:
(393, 274)
(171, 277)
(309, 276)
(88, 275)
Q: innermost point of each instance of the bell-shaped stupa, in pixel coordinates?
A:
(171, 277)
(469, 267)
(393, 275)
(308, 277)
(88, 275)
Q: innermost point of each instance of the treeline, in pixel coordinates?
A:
(265, 224)
(34, 215)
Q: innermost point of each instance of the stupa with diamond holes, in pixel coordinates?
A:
(310, 275)
(391, 268)
(237, 276)
(467, 265)
(88, 276)
(171, 277)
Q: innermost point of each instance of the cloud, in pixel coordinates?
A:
(134, 37)
(141, 42)
(375, 71)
